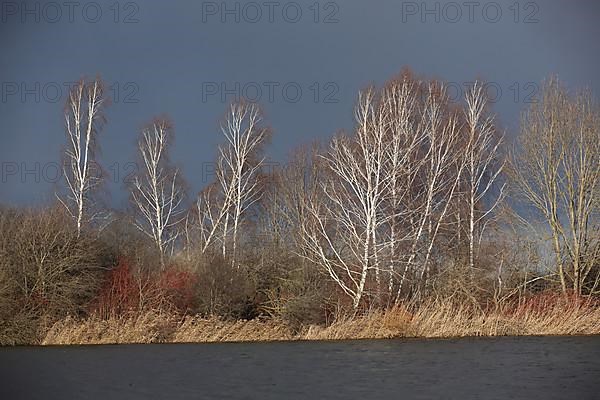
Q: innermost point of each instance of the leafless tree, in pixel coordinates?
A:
(211, 209)
(238, 169)
(83, 121)
(557, 170)
(294, 184)
(387, 187)
(437, 182)
(342, 231)
(405, 137)
(482, 167)
(157, 192)
(219, 208)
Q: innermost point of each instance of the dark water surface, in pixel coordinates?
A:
(500, 368)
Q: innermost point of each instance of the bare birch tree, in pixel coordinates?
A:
(388, 187)
(437, 181)
(342, 233)
(238, 169)
(557, 170)
(404, 139)
(211, 208)
(83, 122)
(482, 167)
(157, 191)
(220, 206)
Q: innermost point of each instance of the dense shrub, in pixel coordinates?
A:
(298, 295)
(47, 270)
(224, 289)
(124, 241)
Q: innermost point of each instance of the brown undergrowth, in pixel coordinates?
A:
(538, 316)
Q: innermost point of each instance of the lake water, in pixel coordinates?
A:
(499, 368)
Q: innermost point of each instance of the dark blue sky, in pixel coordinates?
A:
(175, 58)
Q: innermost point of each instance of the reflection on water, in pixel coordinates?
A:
(500, 368)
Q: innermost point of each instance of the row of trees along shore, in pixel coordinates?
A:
(425, 198)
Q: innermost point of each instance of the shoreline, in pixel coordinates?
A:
(406, 339)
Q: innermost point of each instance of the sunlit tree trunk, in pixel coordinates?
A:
(482, 166)
(83, 122)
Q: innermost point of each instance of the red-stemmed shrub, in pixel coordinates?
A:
(178, 288)
(128, 291)
(119, 293)
(547, 302)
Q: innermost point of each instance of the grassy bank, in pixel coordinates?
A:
(428, 321)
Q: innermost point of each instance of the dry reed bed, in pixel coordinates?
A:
(429, 321)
